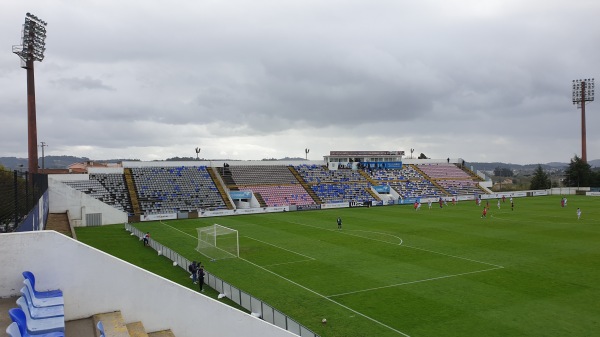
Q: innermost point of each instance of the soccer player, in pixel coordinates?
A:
(484, 213)
(498, 203)
(429, 204)
(578, 213)
(339, 222)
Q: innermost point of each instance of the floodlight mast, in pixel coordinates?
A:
(583, 91)
(32, 49)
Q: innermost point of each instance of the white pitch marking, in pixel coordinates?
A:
(310, 290)
(270, 244)
(279, 264)
(423, 249)
(356, 230)
(327, 298)
(413, 282)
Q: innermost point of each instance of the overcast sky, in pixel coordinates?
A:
(483, 80)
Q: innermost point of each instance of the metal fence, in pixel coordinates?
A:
(254, 305)
(19, 193)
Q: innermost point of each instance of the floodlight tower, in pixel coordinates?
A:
(583, 91)
(32, 49)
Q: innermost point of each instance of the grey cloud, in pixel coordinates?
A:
(85, 83)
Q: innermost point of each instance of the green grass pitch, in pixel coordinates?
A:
(394, 271)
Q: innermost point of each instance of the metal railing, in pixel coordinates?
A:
(254, 305)
(19, 193)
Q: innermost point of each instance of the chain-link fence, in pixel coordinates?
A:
(19, 193)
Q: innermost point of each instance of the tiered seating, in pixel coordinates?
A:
(416, 189)
(40, 313)
(408, 182)
(108, 188)
(262, 175)
(117, 189)
(281, 195)
(458, 187)
(451, 178)
(439, 171)
(336, 185)
(173, 189)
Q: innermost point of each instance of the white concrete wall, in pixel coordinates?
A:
(64, 198)
(95, 282)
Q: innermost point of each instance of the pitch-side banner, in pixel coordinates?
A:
(155, 217)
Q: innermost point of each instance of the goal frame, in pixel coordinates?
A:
(215, 234)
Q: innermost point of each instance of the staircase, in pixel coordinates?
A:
(59, 222)
(375, 196)
(260, 200)
(368, 177)
(471, 173)
(135, 204)
(307, 188)
(216, 180)
(115, 326)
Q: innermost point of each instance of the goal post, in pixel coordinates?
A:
(218, 242)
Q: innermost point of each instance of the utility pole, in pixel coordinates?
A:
(43, 146)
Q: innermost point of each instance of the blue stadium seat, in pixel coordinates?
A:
(40, 294)
(100, 328)
(42, 302)
(36, 326)
(15, 330)
(44, 312)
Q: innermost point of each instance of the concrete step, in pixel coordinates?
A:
(136, 329)
(114, 324)
(163, 333)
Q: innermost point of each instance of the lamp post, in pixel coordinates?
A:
(43, 145)
(583, 91)
(32, 49)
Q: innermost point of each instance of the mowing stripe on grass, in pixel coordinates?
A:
(327, 298)
(345, 232)
(413, 282)
(400, 244)
(307, 289)
(270, 244)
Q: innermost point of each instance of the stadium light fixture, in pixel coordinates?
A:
(583, 91)
(32, 48)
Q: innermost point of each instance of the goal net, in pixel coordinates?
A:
(218, 242)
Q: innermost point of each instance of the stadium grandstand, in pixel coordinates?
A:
(147, 191)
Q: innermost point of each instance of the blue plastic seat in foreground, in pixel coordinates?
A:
(100, 327)
(44, 312)
(40, 294)
(15, 330)
(30, 326)
(45, 301)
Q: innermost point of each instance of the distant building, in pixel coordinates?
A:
(83, 167)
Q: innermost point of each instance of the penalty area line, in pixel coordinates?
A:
(287, 250)
(326, 298)
(413, 282)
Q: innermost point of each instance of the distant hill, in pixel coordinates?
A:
(61, 162)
